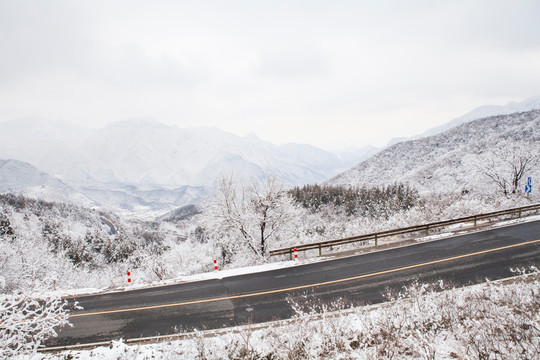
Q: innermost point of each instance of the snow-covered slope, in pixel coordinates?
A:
(450, 160)
(21, 178)
(478, 113)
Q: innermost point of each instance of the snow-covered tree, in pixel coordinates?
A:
(508, 165)
(254, 216)
(5, 226)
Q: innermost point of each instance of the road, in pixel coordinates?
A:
(112, 228)
(266, 296)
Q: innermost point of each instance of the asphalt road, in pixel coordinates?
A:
(268, 295)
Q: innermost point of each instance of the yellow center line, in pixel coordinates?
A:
(224, 298)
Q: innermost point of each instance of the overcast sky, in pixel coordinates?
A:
(328, 73)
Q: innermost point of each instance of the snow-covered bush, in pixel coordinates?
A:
(26, 322)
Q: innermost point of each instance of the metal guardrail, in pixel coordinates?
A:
(408, 230)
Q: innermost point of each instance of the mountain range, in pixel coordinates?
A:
(140, 165)
(144, 152)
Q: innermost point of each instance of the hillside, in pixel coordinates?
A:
(21, 178)
(478, 113)
(450, 161)
(70, 243)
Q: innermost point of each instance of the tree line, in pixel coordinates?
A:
(357, 201)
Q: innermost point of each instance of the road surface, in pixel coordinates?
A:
(266, 296)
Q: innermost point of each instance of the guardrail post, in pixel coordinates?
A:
(375, 239)
(519, 213)
(290, 254)
(320, 250)
(475, 221)
(427, 229)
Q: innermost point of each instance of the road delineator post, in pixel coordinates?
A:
(215, 265)
(129, 276)
(295, 254)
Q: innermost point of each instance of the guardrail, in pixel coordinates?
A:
(408, 230)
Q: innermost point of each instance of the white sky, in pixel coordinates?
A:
(328, 73)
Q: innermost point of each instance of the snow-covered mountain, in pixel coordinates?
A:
(21, 178)
(147, 152)
(478, 113)
(450, 161)
(142, 165)
(151, 153)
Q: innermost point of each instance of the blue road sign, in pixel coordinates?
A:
(528, 187)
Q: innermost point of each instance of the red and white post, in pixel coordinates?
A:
(295, 254)
(215, 265)
(129, 276)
